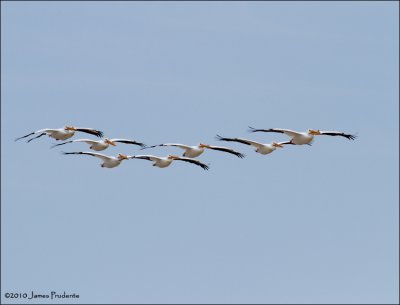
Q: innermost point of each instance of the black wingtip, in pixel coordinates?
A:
(19, 138)
(251, 129)
(100, 134)
(241, 156)
(218, 137)
(146, 147)
(95, 132)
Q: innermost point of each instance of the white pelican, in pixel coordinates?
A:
(61, 133)
(103, 143)
(300, 138)
(108, 161)
(166, 161)
(261, 148)
(197, 150)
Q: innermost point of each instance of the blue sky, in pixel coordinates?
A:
(305, 224)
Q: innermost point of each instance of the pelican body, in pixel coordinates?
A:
(197, 150)
(100, 145)
(61, 133)
(108, 161)
(163, 162)
(103, 143)
(263, 149)
(194, 151)
(301, 138)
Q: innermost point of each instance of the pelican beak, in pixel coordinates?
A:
(277, 145)
(201, 145)
(69, 128)
(111, 142)
(314, 132)
(171, 157)
(121, 156)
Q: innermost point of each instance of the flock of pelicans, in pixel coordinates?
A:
(190, 152)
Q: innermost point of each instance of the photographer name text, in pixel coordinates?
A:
(33, 295)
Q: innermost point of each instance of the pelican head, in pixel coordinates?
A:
(108, 141)
(121, 157)
(202, 145)
(70, 128)
(171, 157)
(314, 132)
(276, 145)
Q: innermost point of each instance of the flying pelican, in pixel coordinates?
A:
(300, 138)
(263, 149)
(61, 133)
(197, 150)
(166, 161)
(108, 161)
(103, 143)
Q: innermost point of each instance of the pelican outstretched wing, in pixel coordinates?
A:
(146, 157)
(338, 133)
(97, 155)
(126, 141)
(41, 131)
(193, 161)
(288, 132)
(228, 150)
(88, 141)
(92, 131)
(239, 140)
(169, 144)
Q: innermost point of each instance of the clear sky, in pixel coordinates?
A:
(306, 224)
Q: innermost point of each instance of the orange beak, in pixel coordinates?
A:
(121, 156)
(201, 145)
(111, 142)
(277, 145)
(69, 128)
(314, 132)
